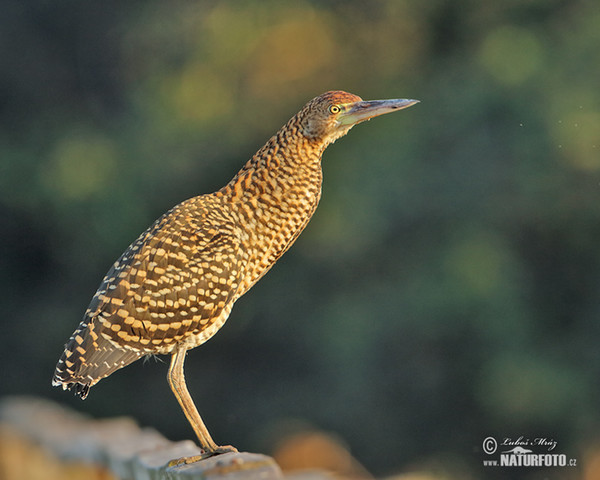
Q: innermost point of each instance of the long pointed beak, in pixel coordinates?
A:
(360, 111)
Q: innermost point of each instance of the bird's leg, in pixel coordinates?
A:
(177, 383)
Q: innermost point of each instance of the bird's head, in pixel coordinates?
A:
(332, 114)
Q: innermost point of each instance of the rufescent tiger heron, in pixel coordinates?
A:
(175, 286)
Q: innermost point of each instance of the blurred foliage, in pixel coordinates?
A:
(448, 287)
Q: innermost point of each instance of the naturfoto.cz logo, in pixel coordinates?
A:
(525, 452)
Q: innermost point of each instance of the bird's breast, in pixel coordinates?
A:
(272, 220)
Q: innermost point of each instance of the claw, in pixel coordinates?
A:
(203, 456)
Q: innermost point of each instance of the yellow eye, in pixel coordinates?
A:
(334, 109)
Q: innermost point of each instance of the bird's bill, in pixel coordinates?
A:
(357, 112)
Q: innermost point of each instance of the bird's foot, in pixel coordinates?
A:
(203, 456)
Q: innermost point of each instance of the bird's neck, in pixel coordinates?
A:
(286, 169)
(273, 197)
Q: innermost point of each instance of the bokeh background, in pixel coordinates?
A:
(448, 287)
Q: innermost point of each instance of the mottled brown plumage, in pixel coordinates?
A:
(175, 286)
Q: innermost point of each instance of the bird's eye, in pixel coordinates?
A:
(334, 109)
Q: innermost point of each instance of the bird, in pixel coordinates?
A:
(175, 286)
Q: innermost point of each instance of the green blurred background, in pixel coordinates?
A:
(448, 287)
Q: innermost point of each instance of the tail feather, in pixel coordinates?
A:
(88, 358)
